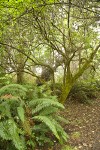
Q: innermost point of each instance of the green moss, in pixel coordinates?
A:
(66, 89)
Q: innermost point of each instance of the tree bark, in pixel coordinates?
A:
(70, 80)
(66, 89)
(20, 73)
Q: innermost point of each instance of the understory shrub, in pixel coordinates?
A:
(57, 91)
(5, 79)
(83, 92)
(14, 90)
(27, 124)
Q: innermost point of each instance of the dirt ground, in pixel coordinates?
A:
(83, 127)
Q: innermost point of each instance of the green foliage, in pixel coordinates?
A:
(38, 91)
(10, 131)
(26, 123)
(45, 102)
(49, 123)
(14, 90)
(83, 92)
(4, 79)
(21, 113)
(47, 109)
(57, 89)
(10, 110)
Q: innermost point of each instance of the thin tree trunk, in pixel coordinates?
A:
(20, 73)
(20, 68)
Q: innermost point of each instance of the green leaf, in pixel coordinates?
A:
(21, 113)
(62, 134)
(4, 131)
(14, 132)
(61, 119)
(44, 103)
(49, 123)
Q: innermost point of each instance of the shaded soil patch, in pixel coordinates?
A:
(84, 125)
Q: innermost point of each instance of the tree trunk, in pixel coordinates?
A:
(66, 89)
(20, 67)
(70, 80)
(20, 73)
(19, 77)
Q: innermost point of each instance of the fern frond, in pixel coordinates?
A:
(61, 119)
(14, 133)
(52, 110)
(47, 103)
(21, 113)
(42, 103)
(62, 134)
(37, 101)
(49, 123)
(5, 110)
(17, 122)
(37, 128)
(14, 90)
(4, 131)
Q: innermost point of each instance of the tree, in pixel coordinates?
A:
(59, 33)
(68, 31)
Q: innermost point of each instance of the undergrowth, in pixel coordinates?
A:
(83, 92)
(29, 123)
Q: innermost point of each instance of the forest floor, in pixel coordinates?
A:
(83, 127)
